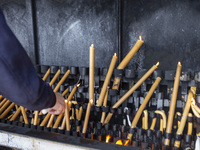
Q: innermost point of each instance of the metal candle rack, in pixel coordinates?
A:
(117, 129)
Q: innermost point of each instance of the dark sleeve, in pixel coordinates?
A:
(19, 81)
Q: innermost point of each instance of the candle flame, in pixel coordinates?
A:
(66, 101)
(140, 37)
(119, 142)
(91, 101)
(78, 85)
(108, 137)
(157, 64)
(92, 45)
(115, 54)
(179, 63)
(127, 142)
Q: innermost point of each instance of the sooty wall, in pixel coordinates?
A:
(59, 32)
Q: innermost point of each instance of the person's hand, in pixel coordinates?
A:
(59, 107)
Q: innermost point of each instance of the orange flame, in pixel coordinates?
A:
(119, 142)
(127, 142)
(140, 37)
(108, 137)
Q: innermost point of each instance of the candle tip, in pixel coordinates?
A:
(189, 115)
(115, 54)
(179, 63)
(157, 64)
(140, 37)
(78, 85)
(92, 45)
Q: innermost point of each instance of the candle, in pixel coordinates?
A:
(118, 103)
(15, 114)
(196, 107)
(195, 112)
(153, 123)
(16, 106)
(130, 55)
(35, 121)
(72, 116)
(164, 120)
(55, 77)
(107, 80)
(77, 110)
(178, 122)
(79, 118)
(4, 106)
(44, 121)
(126, 60)
(145, 120)
(3, 102)
(123, 98)
(67, 117)
(46, 75)
(59, 118)
(189, 125)
(68, 104)
(80, 113)
(24, 114)
(10, 116)
(62, 127)
(104, 104)
(7, 111)
(186, 110)
(65, 92)
(144, 103)
(173, 102)
(73, 92)
(91, 72)
(191, 94)
(1, 97)
(62, 81)
(87, 115)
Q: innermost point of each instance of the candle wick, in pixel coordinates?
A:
(78, 85)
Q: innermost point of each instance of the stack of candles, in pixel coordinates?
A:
(64, 121)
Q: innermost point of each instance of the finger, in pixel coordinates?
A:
(54, 112)
(63, 111)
